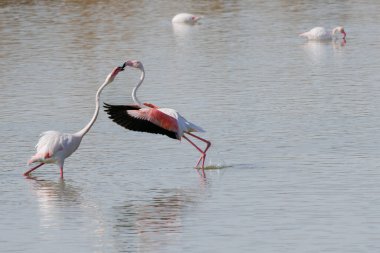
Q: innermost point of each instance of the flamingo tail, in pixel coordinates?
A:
(191, 127)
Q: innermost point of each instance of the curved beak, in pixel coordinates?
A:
(122, 66)
(196, 18)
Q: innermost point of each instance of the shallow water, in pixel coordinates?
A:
(294, 127)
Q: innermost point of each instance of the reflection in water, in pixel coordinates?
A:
(61, 207)
(153, 224)
(318, 51)
(53, 198)
(182, 31)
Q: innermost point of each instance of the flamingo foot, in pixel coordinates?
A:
(201, 159)
(203, 152)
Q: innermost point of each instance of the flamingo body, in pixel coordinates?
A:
(321, 34)
(186, 18)
(164, 121)
(54, 147)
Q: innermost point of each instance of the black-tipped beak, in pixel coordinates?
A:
(123, 66)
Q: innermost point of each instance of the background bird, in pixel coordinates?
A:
(55, 147)
(185, 18)
(146, 117)
(320, 33)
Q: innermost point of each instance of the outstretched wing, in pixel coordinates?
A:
(135, 118)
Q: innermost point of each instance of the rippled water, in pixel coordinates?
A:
(295, 125)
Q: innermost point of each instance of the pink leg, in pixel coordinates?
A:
(61, 172)
(208, 144)
(203, 152)
(199, 161)
(34, 168)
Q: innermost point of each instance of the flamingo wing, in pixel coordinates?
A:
(139, 119)
(48, 145)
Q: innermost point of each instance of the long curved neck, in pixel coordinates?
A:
(334, 31)
(134, 97)
(82, 132)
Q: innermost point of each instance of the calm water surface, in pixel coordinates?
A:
(296, 124)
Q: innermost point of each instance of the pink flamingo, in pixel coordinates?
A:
(320, 33)
(55, 147)
(152, 119)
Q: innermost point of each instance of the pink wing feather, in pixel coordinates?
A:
(156, 117)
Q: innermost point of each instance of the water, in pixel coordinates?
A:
(294, 123)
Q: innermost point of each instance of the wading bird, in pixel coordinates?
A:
(185, 18)
(152, 119)
(320, 33)
(55, 147)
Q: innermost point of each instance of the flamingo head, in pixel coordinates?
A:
(194, 19)
(135, 64)
(114, 73)
(341, 30)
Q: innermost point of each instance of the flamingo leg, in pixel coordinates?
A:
(203, 152)
(199, 161)
(61, 169)
(32, 169)
(208, 144)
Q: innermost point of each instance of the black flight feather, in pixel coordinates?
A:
(119, 115)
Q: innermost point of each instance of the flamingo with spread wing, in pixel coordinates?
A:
(146, 117)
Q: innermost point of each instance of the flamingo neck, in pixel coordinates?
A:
(134, 97)
(334, 31)
(82, 132)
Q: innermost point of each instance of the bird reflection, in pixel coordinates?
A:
(153, 224)
(182, 31)
(53, 198)
(61, 206)
(57, 191)
(319, 50)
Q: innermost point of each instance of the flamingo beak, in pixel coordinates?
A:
(195, 18)
(344, 34)
(122, 66)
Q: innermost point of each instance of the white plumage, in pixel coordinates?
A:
(185, 18)
(54, 147)
(183, 124)
(321, 34)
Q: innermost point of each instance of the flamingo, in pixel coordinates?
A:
(146, 117)
(55, 147)
(321, 34)
(185, 18)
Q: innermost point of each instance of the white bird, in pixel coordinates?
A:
(185, 18)
(55, 147)
(145, 117)
(321, 34)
